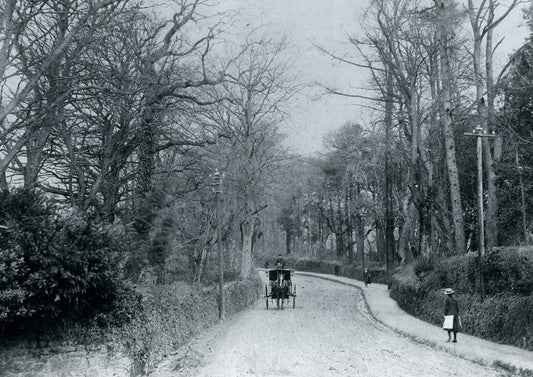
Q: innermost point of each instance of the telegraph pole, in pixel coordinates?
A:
(217, 188)
(479, 133)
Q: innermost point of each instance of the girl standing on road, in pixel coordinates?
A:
(451, 315)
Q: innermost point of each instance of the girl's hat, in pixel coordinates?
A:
(448, 291)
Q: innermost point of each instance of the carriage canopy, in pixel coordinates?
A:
(273, 274)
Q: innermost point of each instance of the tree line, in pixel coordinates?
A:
(120, 112)
(404, 185)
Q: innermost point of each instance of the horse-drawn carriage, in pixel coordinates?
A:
(280, 288)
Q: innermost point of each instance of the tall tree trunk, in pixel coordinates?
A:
(246, 259)
(40, 133)
(349, 222)
(478, 79)
(406, 233)
(360, 231)
(419, 182)
(200, 265)
(247, 229)
(381, 249)
(523, 206)
(340, 236)
(435, 237)
(446, 120)
(110, 194)
(389, 215)
(3, 181)
(339, 243)
(34, 156)
(147, 150)
(148, 124)
(322, 235)
(491, 159)
(288, 237)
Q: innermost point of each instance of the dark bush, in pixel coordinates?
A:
(505, 270)
(423, 266)
(502, 318)
(459, 272)
(159, 249)
(126, 307)
(405, 290)
(50, 267)
(433, 308)
(508, 270)
(430, 281)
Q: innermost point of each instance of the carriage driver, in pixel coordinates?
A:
(280, 261)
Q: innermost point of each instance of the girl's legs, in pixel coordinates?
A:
(449, 335)
(454, 336)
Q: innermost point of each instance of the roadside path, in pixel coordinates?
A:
(386, 311)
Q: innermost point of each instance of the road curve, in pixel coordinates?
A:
(329, 333)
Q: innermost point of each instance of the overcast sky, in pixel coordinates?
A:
(327, 23)
(306, 23)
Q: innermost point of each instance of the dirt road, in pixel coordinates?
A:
(329, 333)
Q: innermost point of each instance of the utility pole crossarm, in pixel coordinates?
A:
(481, 132)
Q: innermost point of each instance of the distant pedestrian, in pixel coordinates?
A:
(452, 321)
(336, 270)
(366, 277)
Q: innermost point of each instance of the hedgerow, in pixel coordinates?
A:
(506, 314)
(169, 315)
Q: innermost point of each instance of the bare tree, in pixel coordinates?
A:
(256, 86)
(483, 22)
(444, 19)
(27, 26)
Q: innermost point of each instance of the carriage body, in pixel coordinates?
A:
(280, 288)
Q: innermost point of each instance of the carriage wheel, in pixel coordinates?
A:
(266, 295)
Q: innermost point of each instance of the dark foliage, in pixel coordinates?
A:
(515, 124)
(159, 248)
(50, 267)
(423, 266)
(509, 271)
(506, 270)
(459, 272)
